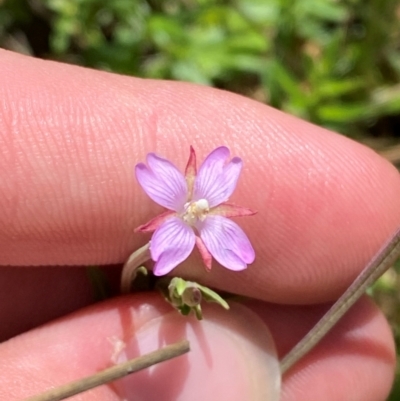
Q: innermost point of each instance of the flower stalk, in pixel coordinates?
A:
(132, 266)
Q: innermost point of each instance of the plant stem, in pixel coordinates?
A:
(131, 266)
(385, 258)
(113, 373)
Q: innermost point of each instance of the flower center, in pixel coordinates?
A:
(194, 211)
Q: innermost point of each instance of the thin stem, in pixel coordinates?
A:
(113, 373)
(385, 258)
(134, 261)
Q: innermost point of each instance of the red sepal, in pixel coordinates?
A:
(204, 252)
(156, 222)
(231, 210)
(191, 171)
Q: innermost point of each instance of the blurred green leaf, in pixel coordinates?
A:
(335, 88)
(387, 100)
(343, 112)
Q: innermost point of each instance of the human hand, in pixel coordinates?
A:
(69, 140)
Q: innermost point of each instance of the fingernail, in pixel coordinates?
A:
(232, 357)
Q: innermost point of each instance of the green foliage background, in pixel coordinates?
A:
(333, 62)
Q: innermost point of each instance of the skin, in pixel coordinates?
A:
(69, 140)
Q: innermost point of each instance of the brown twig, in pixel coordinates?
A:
(113, 373)
(385, 258)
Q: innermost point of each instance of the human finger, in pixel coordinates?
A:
(356, 360)
(230, 355)
(114, 331)
(70, 138)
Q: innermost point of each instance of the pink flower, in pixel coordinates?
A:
(197, 211)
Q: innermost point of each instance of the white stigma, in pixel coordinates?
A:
(194, 211)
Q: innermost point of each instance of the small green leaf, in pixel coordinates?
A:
(342, 112)
(212, 296)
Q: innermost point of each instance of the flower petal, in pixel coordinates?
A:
(170, 245)
(215, 180)
(227, 242)
(162, 182)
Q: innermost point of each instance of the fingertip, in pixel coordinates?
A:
(325, 203)
(232, 354)
(232, 357)
(356, 360)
